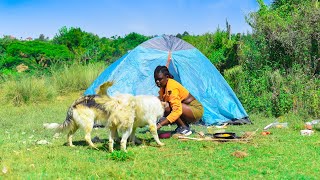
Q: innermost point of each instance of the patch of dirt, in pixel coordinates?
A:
(239, 154)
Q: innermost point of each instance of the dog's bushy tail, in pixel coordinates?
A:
(64, 126)
(51, 125)
(102, 89)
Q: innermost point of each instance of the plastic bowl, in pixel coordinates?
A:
(164, 135)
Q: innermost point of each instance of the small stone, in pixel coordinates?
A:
(56, 135)
(4, 170)
(42, 142)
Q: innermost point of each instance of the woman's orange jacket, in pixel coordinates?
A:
(174, 93)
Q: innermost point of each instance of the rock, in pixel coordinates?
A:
(42, 142)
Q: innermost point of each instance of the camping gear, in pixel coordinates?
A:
(164, 135)
(306, 132)
(133, 74)
(225, 135)
(308, 125)
(276, 125)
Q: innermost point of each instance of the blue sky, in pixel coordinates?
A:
(106, 18)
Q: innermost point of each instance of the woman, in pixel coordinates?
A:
(182, 108)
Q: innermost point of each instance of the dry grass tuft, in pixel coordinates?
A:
(239, 154)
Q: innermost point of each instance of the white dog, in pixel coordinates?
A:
(122, 113)
(148, 110)
(117, 114)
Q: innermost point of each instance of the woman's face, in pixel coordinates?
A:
(161, 80)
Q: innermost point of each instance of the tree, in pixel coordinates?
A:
(288, 34)
(84, 45)
(185, 34)
(41, 37)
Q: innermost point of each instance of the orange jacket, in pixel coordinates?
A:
(175, 93)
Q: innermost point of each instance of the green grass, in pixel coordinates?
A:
(76, 77)
(284, 154)
(33, 89)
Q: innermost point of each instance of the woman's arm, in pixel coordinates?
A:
(163, 122)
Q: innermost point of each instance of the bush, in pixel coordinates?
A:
(275, 93)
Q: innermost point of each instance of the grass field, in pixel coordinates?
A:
(284, 154)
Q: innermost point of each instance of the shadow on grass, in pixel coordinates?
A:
(116, 146)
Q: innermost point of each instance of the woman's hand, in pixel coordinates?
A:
(162, 122)
(159, 126)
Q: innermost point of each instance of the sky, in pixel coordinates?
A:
(106, 18)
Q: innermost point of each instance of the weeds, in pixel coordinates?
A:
(35, 89)
(28, 89)
(76, 77)
(120, 156)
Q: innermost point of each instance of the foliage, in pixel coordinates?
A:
(123, 45)
(289, 34)
(84, 45)
(120, 156)
(219, 47)
(89, 47)
(275, 93)
(36, 53)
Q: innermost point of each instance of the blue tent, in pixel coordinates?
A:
(133, 73)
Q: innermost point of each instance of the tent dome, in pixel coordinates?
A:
(133, 74)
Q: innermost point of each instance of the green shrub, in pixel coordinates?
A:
(35, 54)
(275, 93)
(120, 156)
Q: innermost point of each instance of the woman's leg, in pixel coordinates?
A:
(180, 123)
(187, 114)
(186, 117)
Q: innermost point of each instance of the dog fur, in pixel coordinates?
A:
(148, 110)
(122, 113)
(117, 114)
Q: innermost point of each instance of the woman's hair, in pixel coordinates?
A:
(164, 70)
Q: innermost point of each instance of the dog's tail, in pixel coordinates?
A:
(64, 126)
(102, 89)
(51, 125)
